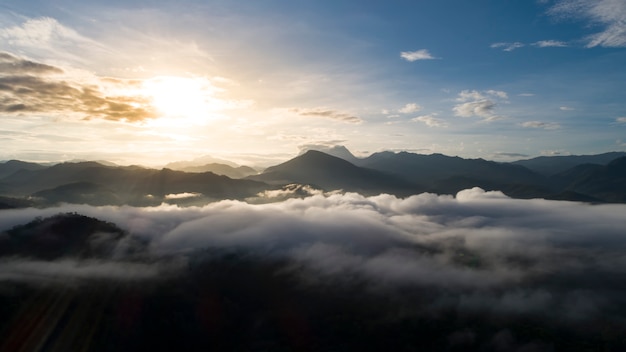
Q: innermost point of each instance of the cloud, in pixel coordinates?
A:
(481, 104)
(184, 195)
(479, 257)
(550, 44)
(608, 14)
(49, 38)
(482, 108)
(566, 108)
(620, 120)
(540, 124)
(330, 114)
(31, 87)
(376, 229)
(422, 54)
(526, 95)
(410, 108)
(498, 93)
(430, 120)
(510, 155)
(15, 65)
(540, 44)
(39, 32)
(508, 46)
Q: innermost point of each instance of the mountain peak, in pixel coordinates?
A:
(338, 151)
(315, 159)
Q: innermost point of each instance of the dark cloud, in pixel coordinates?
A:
(330, 114)
(29, 87)
(10, 64)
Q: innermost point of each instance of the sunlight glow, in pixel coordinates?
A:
(182, 100)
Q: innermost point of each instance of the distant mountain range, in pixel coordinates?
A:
(97, 184)
(330, 173)
(552, 165)
(591, 178)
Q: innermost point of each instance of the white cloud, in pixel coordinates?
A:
(540, 124)
(476, 252)
(422, 54)
(45, 37)
(184, 195)
(550, 43)
(609, 14)
(508, 46)
(410, 108)
(620, 120)
(467, 95)
(481, 104)
(40, 32)
(566, 108)
(430, 120)
(482, 108)
(415, 240)
(498, 93)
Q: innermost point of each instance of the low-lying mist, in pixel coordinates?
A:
(485, 271)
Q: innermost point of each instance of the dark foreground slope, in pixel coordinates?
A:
(247, 299)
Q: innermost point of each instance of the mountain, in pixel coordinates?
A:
(551, 165)
(447, 174)
(222, 169)
(331, 173)
(200, 161)
(338, 151)
(79, 193)
(63, 235)
(11, 166)
(402, 174)
(94, 183)
(14, 203)
(607, 183)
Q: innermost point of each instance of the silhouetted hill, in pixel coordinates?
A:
(551, 165)
(330, 173)
(93, 183)
(63, 235)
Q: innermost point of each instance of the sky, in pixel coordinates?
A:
(149, 82)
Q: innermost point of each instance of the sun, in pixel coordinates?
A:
(182, 100)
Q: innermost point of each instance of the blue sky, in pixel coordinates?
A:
(255, 81)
